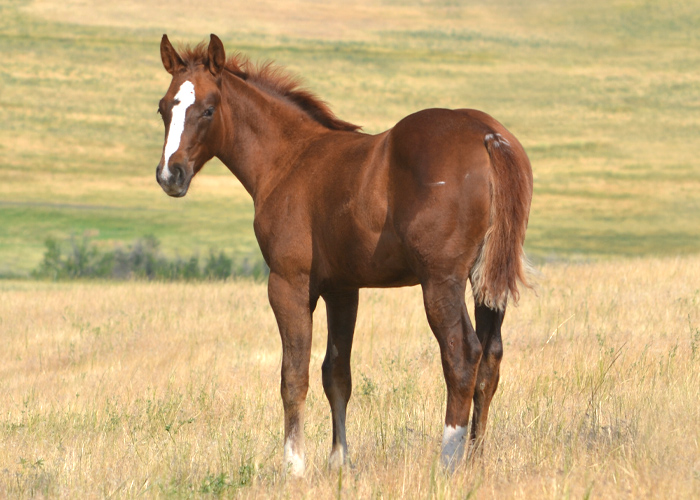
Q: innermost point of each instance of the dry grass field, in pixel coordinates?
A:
(171, 390)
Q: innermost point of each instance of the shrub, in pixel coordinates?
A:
(218, 266)
(141, 260)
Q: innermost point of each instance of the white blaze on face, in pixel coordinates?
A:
(453, 441)
(186, 98)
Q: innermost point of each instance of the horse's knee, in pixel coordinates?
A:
(475, 350)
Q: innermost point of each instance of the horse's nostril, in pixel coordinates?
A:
(178, 173)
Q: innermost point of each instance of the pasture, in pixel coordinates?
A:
(172, 389)
(604, 97)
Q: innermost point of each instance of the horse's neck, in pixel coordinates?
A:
(263, 134)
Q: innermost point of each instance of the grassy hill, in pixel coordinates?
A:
(605, 97)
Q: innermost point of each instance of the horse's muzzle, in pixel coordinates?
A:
(177, 183)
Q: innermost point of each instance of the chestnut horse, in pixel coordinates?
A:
(441, 198)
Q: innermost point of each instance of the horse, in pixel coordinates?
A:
(441, 198)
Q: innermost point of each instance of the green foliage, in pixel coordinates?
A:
(214, 484)
(33, 480)
(367, 387)
(52, 265)
(81, 258)
(218, 484)
(218, 266)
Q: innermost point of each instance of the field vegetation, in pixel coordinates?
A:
(142, 260)
(172, 390)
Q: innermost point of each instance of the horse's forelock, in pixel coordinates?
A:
(199, 55)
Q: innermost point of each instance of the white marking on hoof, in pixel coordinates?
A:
(293, 463)
(453, 441)
(337, 458)
(186, 98)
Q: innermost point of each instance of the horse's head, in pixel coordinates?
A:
(190, 110)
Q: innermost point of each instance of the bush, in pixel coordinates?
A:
(218, 266)
(141, 260)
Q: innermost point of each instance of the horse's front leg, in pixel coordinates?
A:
(293, 306)
(337, 382)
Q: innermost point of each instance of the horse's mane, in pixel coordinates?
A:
(273, 79)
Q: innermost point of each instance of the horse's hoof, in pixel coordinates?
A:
(337, 459)
(293, 464)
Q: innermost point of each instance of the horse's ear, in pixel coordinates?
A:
(217, 55)
(171, 60)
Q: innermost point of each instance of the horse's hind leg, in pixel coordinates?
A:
(460, 351)
(337, 382)
(488, 329)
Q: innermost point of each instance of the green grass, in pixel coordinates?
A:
(605, 96)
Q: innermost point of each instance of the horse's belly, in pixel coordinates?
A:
(368, 262)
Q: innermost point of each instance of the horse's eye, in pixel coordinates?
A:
(209, 112)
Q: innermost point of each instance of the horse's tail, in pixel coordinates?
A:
(501, 262)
